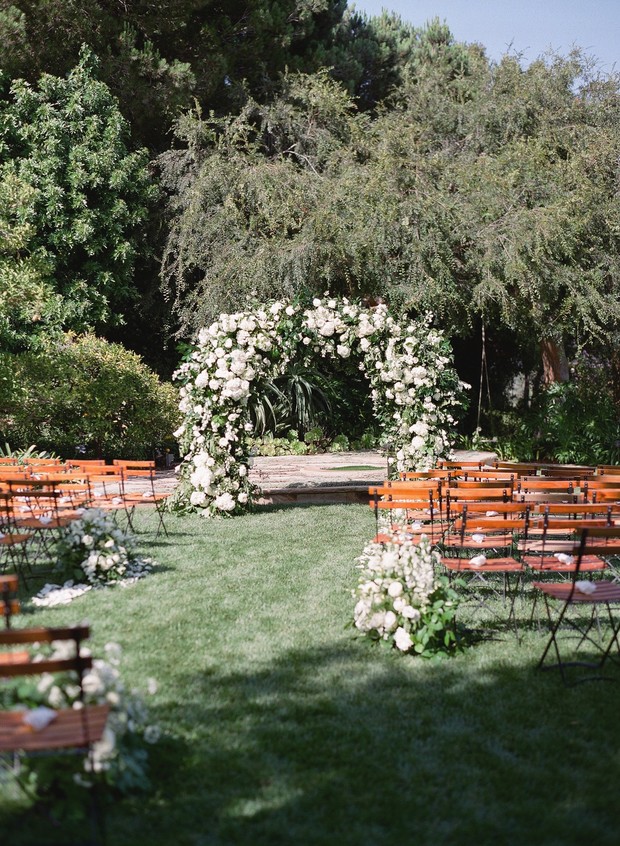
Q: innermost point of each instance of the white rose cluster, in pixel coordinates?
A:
(414, 389)
(97, 546)
(396, 582)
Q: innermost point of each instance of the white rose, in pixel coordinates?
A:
(224, 502)
(395, 589)
(411, 613)
(402, 639)
(197, 497)
(390, 620)
(343, 351)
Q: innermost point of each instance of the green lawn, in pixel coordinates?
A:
(282, 728)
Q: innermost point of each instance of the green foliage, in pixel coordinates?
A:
(484, 193)
(76, 199)
(85, 391)
(576, 422)
(29, 306)
(21, 455)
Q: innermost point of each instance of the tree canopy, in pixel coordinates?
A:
(74, 198)
(482, 193)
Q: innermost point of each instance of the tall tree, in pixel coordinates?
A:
(85, 195)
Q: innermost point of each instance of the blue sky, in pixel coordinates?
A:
(528, 27)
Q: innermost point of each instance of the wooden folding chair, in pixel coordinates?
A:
(421, 509)
(13, 554)
(145, 470)
(475, 561)
(70, 729)
(591, 595)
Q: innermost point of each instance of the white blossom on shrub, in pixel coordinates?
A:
(414, 388)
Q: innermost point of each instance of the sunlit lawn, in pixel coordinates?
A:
(282, 728)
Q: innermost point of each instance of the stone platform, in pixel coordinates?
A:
(325, 478)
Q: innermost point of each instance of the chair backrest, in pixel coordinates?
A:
(606, 495)
(608, 470)
(8, 597)
(42, 461)
(85, 462)
(602, 541)
(40, 634)
(562, 471)
(519, 468)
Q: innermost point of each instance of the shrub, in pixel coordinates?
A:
(85, 394)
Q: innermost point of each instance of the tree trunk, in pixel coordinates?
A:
(554, 361)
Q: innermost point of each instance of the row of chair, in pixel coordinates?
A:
(40, 500)
(490, 523)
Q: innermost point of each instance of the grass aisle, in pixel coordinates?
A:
(282, 728)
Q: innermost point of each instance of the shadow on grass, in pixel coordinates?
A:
(332, 745)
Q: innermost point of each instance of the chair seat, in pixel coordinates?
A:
(491, 565)
(549, 563)
(605, 592)
(488, 542)
(66, 731)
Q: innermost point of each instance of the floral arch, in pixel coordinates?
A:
(414, 388)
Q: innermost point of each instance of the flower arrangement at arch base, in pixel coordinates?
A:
(402, 602)
(93, 551)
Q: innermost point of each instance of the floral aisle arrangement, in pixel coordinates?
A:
(95, 546)
(93, 551)
(120, 758)
(402, 601)
(414, 388)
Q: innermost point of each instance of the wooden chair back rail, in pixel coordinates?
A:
(484, 475)
(609, 480)
(484, 494)
(481, 484)
(395, 504)
(524, 485)
(576, 508)
(459, 465)
(42, 461)
(404, 492)
(413, 484)
(483, 506)
(43, 634)
(567, 472)
(413, 475)
(606, 495)
(474, 522)
(518, 467)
